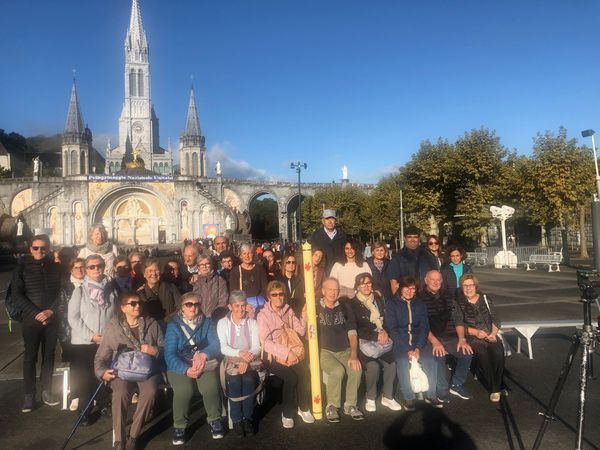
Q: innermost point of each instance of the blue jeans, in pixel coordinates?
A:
(463, 363)
(428, 364)
(240, 386)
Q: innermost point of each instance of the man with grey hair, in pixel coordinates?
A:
(329, 239)
(189, 268)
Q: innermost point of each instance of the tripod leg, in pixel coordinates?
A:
(548, 415)
(585, 361)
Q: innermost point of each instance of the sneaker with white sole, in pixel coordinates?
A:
(391, 404)
(460, 391)
(354, 412)
(74, 405)
(135, 398)
(287, 422)
(370, 406)
(306, 416)
(332, 414)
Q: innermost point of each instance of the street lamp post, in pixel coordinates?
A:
(401, 221)
(298, 166)
(595, 203)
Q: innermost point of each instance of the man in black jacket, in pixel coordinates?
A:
(406, 261)
(36, 287)
(329, 239)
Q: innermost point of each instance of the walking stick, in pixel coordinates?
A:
(81, 416)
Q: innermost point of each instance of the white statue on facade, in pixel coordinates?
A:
(344, 172)
(228, 222)
(36, 166)
(19, 227)
(218, 168)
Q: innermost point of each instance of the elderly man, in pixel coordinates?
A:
(189, 269)
(339, 347)
(329, 239)
(406, 261)
(445, 338)
(35, 288)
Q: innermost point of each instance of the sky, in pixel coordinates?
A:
(326, 82)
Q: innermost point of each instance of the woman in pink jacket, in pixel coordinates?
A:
(292, 370)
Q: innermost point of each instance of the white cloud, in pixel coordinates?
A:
(376, 175)
(101, 139)
(234, 168)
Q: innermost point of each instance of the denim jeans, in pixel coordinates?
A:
(463, 363)
(429, 366)
(240, 386)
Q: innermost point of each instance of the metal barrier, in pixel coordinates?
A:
(523, 252)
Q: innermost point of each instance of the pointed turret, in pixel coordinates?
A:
(76, 140)
(74, 118)
(192, 150)
(136, 36)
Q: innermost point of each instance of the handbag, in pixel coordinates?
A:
(418, 378)
(373, 349)
(134, 366)
(290, 339)
(188, 352)
(232, 365)
(257, 302)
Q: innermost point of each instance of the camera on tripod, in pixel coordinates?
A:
(588, 281)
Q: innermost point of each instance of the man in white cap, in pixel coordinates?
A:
(329, 239)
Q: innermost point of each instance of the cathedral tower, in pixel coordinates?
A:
(76, 141)
(192, 151)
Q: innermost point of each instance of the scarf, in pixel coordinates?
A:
(101, 249)
(76, 281)
(369, 303)
(193, 323)
(137, 344)
(96, 290)
(378, 263)
(458, 271)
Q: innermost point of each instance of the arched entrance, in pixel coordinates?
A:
(133, 216)
(264, 216)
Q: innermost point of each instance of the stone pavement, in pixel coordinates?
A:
(477, 423)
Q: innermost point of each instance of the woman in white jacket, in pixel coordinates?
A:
(91, 307)
(240, 345)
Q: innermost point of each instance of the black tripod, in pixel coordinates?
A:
(586, 337)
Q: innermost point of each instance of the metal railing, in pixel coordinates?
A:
(523, 253)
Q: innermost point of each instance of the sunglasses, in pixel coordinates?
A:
(276, 294)
(192, 304)
(290, 262)
(433, 243)
(96, 266)
(134, 303)
(37, 248)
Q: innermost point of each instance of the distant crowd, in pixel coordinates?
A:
(217, 320)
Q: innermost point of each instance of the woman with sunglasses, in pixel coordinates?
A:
(353, 264)
(368, 308)
(407, 322)
(122, 280)
(431, 258)
(454, 268)
(294, 284)
(272, 319)
(91, 307)
(98, 244)
(160, 298)
(191, 345)
(129, 331)
(210, 288)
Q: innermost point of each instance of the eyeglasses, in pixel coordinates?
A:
(290, 262)
(276, 294)
(204, 265)
(134, 303)
(433, 243)
(192, 304)
(368, 283)
(96, 266)
(410, 288)
(469, 285)
(38, 248)
(78, 268)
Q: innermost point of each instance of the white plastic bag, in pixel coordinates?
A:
(418, 378)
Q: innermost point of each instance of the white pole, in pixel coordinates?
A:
(503, 223)
(401, 222)
(596, 165)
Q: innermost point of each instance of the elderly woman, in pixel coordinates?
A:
(210, 288)
(294, 283)
(160, 298)
(368, 308)
(130, 331)
(240, 346)
(378, 263)
(476, 313)
(250, 278)
(454, 268)
(98, 244)
(91, 307)
(191, 346)
(319, 263)
(272, 319)
(352, 265)
(408, 326)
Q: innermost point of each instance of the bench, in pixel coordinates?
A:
(550, 260)
(527, 328)
(477, 258)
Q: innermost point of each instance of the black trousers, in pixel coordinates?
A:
(83, 379)
(36, 336)
(296, 383)
(490, 358)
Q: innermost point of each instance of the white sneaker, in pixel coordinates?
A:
(74, 405)
(370, 406)
(287, 423)
(391, 404)
(307, 417)
(134, 398)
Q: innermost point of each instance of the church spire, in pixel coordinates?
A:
(192, 123)
(135, 41)
(74, 118)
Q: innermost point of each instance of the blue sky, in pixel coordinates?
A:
(329, 82)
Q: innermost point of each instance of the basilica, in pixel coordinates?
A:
(136, 193)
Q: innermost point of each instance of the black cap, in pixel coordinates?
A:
(412, 230)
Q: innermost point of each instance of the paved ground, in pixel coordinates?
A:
(477, 423)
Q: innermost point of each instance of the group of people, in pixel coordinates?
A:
(215, 322)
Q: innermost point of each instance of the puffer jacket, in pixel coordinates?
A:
(212, 292)
(87, 319)
(35, 286)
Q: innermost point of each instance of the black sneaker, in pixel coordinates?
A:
(409, 405)
(435, 402)
(239, 429)
(85, 420)
(179, 436)
(28, 403)
(49, 399)
(216, 429)
(249, 427)
(460, 391)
